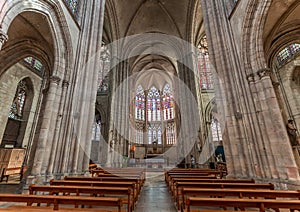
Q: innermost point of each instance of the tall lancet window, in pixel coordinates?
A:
(17, 107)
(103, 77)
(168, 103)
(216, 129)
(153, 105)
(204, 67)
(169, 114)
(140, 104)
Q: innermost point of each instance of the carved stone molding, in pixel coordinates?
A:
(3, 37)
(65, 83)
(251, 78)
(55, 79)
(264, 72)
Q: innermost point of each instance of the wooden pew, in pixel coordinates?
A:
(188, 171)
(131, 185)
(196, 180)
(137, 181)
(180, 185)
(261, 204)
(63, 200)
(19, 208)
(210, 174)
(240, 193)
(34, 189)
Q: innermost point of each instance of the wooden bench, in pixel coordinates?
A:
(239, 193)
(93, 191)
(136, 180)
(6, 172)
(180, 185)
(56, 201)
(261, 204)
(188, 171)
(20, 208)
(212, 174)
(131, 185)
(196, 180)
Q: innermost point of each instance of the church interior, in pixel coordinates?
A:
(165, 94)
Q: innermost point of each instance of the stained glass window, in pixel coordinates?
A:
(103, 78)
(204, 68)
(140, 104)
(34, 63)
(17, 107)
(154, 133)
(159, 109)
(153, 105)
(73, 6)
(168, 103)
(171, 133)
(96, 130)
(286, 54)
(139, 137)
(216, 129)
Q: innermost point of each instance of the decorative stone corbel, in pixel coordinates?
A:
(3, 37)
(264, 72)
(250, 78)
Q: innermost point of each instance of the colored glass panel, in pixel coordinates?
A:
(17, 107)
(34, 63)
(204, 68)
(73, 6)
(286, 54)
(103, 77)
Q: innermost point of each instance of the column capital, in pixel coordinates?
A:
(251, 78)
(55, 79)
(264, 72)
(65, 83)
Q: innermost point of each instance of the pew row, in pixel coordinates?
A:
(57, 201)
(261, 204)
(93, 191)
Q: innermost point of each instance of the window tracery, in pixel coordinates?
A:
(286, 54)
(103, 78)
(204, 68)
(216, 129)
(34, 63)
(17, 107)
(140, 104)
(153, 112)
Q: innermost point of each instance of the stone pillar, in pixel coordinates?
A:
(3, 37)
(77, 152)
(56, 157)
(255, 140)
(46, 133)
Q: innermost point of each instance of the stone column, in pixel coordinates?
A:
(3, 37)
(255, 139)
(56, 158)
(46, 133)
(84, 94)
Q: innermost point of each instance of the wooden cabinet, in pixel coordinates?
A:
(11, 158)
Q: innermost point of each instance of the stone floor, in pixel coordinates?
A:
(155, 195)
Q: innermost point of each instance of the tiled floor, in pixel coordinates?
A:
(155, 196)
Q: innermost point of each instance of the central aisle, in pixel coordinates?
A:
(155, 195)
